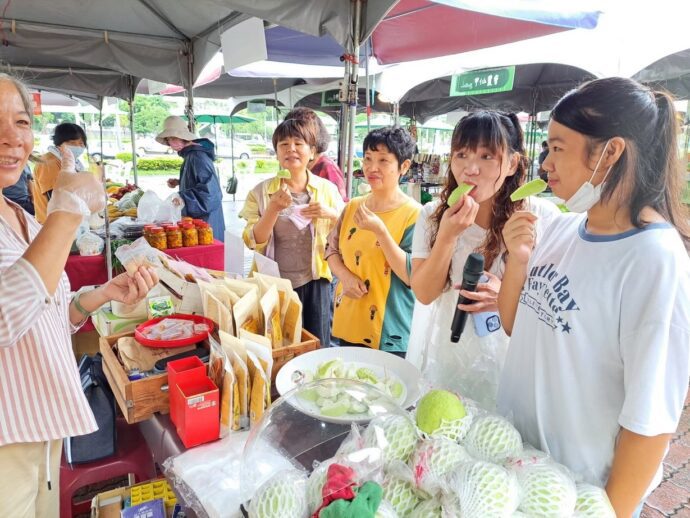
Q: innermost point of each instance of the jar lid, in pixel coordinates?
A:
(187, 225)
(202, 224)
(157, 230)
(187, 218)
(172, 228)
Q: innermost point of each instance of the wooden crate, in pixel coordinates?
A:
(138, 399)
(285, 354)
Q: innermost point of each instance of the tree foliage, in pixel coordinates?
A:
(149, 113)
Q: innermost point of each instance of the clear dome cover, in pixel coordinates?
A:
(295, 434)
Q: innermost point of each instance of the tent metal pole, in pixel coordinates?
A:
(396, 114)
(232, 148)
(133, 138)
(367, 46)
(189, 107)
(108, 251)
(352, 92)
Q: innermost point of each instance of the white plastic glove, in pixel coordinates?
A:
(77, 193)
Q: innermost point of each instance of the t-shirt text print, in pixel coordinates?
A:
(547, 293)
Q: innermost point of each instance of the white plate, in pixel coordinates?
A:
(383, 364)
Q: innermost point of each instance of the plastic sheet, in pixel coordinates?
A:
(471, 367)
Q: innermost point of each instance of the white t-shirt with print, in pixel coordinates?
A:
(472, 366)
(601, 340)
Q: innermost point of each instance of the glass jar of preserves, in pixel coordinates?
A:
(205, 233)
(174, 236)
(190, 237)
(157, 238)
(147, 230)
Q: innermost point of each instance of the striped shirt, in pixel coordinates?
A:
(40, 392)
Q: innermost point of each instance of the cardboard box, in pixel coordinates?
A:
(109, 503)
(108, 324)
(186, 295)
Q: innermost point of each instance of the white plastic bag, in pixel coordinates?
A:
(170, 209)
(148, 207)
(472, 367)
(90, 244)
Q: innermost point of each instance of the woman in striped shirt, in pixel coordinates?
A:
(41, 400)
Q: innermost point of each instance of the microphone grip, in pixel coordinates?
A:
(460, 316)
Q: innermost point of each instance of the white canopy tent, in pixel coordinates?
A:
(627, 39)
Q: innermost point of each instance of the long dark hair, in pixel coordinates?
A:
(648, 171)
(501, 133)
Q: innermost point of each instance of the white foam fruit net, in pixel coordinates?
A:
(428, 509)
(385, 510)
(401, 495)
(493, 439)
(283, 495)
(315, 484)
(396, 435)
(484, 489)
(547, 489)
(433, 459)
(592, 502)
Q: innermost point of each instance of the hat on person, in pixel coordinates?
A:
(174, 126)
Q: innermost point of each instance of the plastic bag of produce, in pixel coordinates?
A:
(90, 244)
(130, 200)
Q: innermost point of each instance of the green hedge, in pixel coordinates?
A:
(153, 163)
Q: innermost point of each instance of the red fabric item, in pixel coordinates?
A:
(405, 34)
(90, 270)
(329, 170)
(339, 483)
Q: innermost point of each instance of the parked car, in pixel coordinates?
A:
(223, 147)
(149, 145)
(250, 138)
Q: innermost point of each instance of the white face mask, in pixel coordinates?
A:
(588, 195)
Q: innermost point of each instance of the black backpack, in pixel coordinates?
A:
(231, 187)
(103, 442)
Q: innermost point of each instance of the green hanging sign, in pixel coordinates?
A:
(485, 81)
(330, 98)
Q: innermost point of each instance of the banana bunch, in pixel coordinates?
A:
(114, 213)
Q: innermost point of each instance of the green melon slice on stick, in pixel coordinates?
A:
(459, 191)
(284, 173)
(532, 188)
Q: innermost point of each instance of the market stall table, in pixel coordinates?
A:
(91, 270)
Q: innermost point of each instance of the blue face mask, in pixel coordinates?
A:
(77, 151)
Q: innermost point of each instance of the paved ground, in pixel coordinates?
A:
(672, 497)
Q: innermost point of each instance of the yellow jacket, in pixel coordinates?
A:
(319, 190)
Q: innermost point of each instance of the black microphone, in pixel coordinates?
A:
(474, 267)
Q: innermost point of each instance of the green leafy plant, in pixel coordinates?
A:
(125, 157)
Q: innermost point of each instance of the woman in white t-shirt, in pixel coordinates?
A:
(487, 151)
(599, 311)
